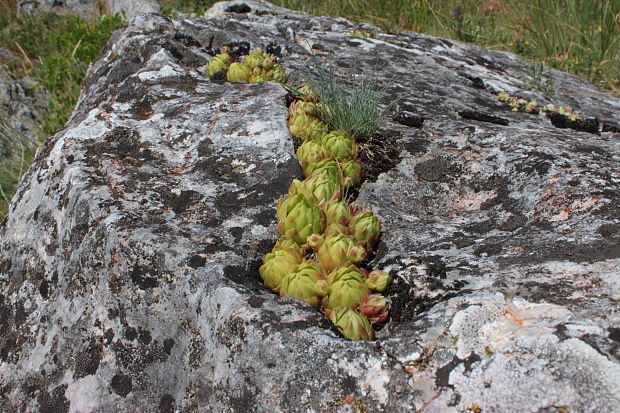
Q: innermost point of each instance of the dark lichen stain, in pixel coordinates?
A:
(237, 233)
(87, 361)
(442, 374)
(44, 289)
(121, 384)
(168, 345)
(166, 404)
(614, 334)
(437, 170)
(131, 333)
(144, 336)
(256, 301)
(8, 338)
(408, 119)
(488, 249)
(609, 230)
(144, 277)
(54, 402)
(197, 261)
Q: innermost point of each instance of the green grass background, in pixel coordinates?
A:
(578, 36)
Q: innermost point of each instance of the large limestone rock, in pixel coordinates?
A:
(128, 262)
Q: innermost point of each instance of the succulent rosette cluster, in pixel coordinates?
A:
(523, 105)
(258, 66)
(325, 239)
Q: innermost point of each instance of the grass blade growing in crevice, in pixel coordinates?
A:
(359, 108)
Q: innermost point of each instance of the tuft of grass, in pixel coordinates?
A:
(358, 109)
(16, 155)
(578, 36)
(56, 50)
(171, 7)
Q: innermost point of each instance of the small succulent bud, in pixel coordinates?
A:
(346, 287)
(300, 106)
(337, 212)
(218, 63)
(284, 244)
(306, 93)
(254, 59)
(352, 171)
(277, 265)
(315, 241)
(378, 280)
(532, 107)
(279, 75)
(334, 229)
(326, 167)
(375, 307)
(503, 97)
(306, 283)
(321, 187)
(257, 78)
(339, 250)
(340, 145)
(307, 127)
(268, 62)
(299, 216)
(310, 153)
(352, 325)
(365, 228)
(237, 72)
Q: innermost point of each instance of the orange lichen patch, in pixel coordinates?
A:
(576, 206)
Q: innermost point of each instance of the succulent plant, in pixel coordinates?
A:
(268, 62)
(378, 280)
(254, 59)
(299, 216)
(340, 145)
(283, 244)
(238, 72)
(375, 307)
(503, 97)
(307, 283)
(334, 229)
(337, 212)
(304, 92)
(276, 265)
(307, 127)
(323, 189)
(218, 63)
(339, 250)
(326, 167)
(315, 241)
(311, 152)
(301, 106)
(352, 171)
(353, 325)
(347, 286)
(532, 107)
(365, 228)
(257, 78)
(279, 75)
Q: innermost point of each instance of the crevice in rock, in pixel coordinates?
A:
(483, 117)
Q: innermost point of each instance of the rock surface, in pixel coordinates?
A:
(128, 261)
